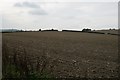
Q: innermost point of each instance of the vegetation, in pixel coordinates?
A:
(19, 65)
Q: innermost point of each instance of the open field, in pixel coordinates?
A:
(109, 31)
(63, 54)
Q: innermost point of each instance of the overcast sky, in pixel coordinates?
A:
(59, 14)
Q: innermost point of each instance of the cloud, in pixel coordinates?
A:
(37, 12)
(27, 4)
(61, 15)
(35, 9)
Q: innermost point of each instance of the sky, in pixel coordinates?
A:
(58, 14)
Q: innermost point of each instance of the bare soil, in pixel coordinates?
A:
(73, 54)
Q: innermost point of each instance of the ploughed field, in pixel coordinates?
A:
(64, 54)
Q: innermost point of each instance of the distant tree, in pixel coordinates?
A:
(20, 30)
(39, 29)
(110, 29)
(86, 30)
(113, 28)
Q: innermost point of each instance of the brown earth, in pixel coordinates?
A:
(74, 54)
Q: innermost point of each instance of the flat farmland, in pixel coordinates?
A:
(66, 54)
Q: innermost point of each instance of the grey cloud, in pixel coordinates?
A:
(37, 12)
(27, 4)
(18, 5)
